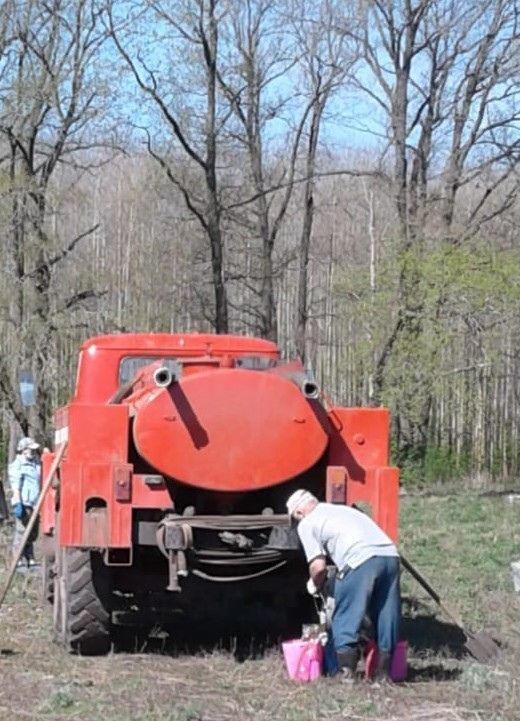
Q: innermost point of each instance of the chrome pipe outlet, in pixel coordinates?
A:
(310, 389)
(163, 377)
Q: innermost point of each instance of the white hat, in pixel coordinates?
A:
(297, 499)
(26, 443)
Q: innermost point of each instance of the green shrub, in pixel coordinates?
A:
(431, 465)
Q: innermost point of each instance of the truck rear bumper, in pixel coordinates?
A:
(220, 548)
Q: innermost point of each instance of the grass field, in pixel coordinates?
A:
(463, 544)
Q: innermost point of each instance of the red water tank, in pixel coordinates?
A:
(230, 430)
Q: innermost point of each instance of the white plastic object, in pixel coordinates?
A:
(311, 587)
(515, 570)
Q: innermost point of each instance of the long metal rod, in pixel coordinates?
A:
(481, 645)
(450, 612)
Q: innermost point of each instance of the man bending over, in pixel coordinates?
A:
(367, 579)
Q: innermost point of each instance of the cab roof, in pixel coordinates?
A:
(206, 343)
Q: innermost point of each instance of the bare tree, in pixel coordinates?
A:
(49, 107)
(261, 59)
(185, 98)
(327, 57)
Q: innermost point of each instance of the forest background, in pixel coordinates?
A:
(339, 177)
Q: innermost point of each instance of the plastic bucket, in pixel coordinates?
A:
(515, 571)
(303, 659)
(398, 667)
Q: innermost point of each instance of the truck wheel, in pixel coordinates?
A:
(81, 613)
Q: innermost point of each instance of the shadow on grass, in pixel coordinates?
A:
(247, 639)
(427, 634)
(432, 672)
(246, 633)
(6, 652)
(173, 641)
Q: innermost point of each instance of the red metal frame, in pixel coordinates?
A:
(98, 489)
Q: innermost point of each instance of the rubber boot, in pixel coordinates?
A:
(384, 662)
(348, 658)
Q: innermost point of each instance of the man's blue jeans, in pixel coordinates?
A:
(372, 589)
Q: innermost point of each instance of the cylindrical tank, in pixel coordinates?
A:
(230, 429)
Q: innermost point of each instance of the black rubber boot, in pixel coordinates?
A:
(348, 659)
(384, 662)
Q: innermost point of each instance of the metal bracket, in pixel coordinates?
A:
(176, 567)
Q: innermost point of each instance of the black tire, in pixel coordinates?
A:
(81, 603)
(48, 576)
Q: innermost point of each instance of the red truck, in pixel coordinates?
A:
(179, 453)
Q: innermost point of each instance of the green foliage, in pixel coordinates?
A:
(430, 465)
(452, 288)
(433, 319)
(62, 699)
(478, 285)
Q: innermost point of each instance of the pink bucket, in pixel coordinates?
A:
(399, 666)
(303, 659)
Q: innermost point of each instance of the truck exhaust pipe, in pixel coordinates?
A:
(163, 377)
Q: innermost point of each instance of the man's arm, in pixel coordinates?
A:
(314, 552)
(15, 481)
(318, 571)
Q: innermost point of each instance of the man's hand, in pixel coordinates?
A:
(311, 588)
(18, 510)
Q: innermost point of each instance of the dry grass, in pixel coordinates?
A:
(463, 544)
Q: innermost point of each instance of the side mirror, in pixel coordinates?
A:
(27, 388)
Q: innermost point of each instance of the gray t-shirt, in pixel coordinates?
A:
(347, 536)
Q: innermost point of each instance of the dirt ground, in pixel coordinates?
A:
(464, 544)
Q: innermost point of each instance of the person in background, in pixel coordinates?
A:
(367, 579)
(24, 477)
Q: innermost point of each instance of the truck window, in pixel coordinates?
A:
(255, 363)
(129, 366)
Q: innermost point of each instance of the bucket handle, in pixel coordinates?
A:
(304, 653)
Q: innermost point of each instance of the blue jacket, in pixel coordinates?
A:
(24, 477)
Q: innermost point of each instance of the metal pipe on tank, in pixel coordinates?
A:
(163, 377)
(310, 388)
(301, 378)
